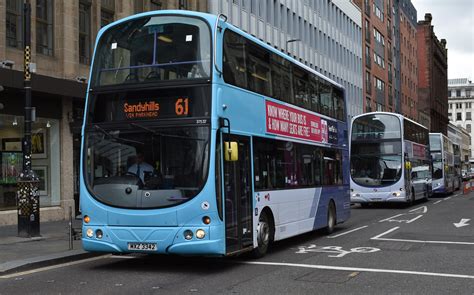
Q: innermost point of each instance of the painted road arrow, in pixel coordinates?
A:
(462, 223)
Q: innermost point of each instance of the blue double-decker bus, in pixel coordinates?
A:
(199, 139)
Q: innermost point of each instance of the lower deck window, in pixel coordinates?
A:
(284, 164)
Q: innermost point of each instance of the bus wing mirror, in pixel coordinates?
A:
(231, 151)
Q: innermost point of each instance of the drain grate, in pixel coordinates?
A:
(328, 276)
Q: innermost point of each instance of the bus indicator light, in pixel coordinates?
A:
(206, 220)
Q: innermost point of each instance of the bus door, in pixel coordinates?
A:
(237, 194)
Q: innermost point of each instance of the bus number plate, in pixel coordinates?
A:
(142, 246)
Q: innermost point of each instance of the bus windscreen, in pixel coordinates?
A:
(151, 49)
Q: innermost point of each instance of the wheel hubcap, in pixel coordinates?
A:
(263, 233)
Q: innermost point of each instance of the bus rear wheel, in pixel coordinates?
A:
(264, 234)
(331, 218)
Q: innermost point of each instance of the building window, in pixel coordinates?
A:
(368, 86)
(106, 18)
(458, 117)
(379, 37)
(449, 116)
(468, 93)
(84, 32)
(458, 93)
(379, 107)
(14, 23)
(378, 12)
(468, 116)
(468, 128)
(44, 26)
(368, 107)
(468, 105)
(183, 4)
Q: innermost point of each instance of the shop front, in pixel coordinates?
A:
(54, 158)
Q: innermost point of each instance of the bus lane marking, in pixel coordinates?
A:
(437, 202)
(337, 251)
(379, 238)
(392, 219)
(360, 269)
(347, 232)
(420, 210)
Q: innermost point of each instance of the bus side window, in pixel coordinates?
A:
(234, 67)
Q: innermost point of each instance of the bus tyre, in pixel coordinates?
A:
(412, 197)
(331, 218)
(264, 231)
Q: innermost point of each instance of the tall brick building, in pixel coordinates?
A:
(432, 76)
(407, 59)
(377, 57)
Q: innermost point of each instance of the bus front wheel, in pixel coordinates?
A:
(264, 235)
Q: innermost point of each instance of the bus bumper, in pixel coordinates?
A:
(378, 197)
(439, 190)
(167, 240)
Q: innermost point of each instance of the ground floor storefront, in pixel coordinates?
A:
(58, 105)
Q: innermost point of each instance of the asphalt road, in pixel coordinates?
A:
(382, 249)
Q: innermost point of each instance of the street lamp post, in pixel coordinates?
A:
(290, 41)
(28, 198)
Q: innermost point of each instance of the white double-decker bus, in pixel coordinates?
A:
(385, 149)
(442, 153)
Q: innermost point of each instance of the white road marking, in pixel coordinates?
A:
(379, 238)
(337, 251)
(423, 209)
(347, 232)
(18, 274)
(437, 202)
(447, 198)
(385, 233)
(463, 222)
(391, 217)
(361, 269)
(411, 220)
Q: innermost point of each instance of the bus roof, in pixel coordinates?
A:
(388, 113)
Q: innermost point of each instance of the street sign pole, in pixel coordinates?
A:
(28, 198)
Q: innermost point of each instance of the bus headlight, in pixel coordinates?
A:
(396, 194)
(200, 234)
(89, 232)
(99, 234)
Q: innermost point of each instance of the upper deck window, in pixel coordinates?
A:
(150, 49)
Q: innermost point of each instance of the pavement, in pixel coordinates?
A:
(51, 247)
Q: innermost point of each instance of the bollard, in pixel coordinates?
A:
(28, 206)
(466, 187)
(71, 243)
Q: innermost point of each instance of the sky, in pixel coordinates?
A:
(453, 20)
